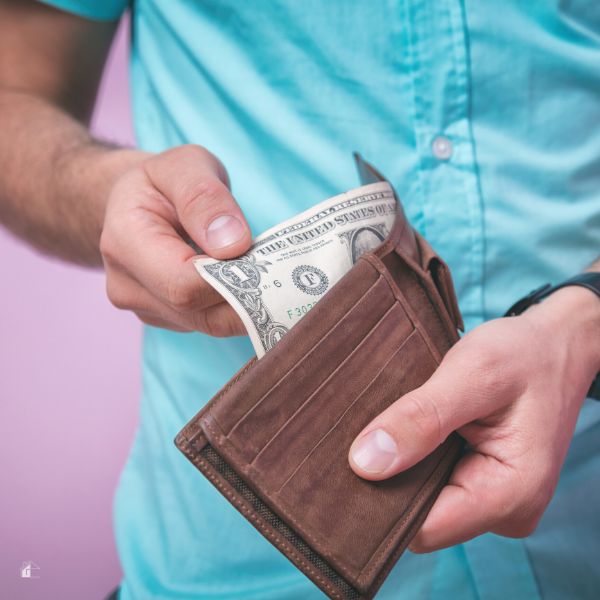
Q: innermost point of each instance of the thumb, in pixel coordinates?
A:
(415, 425)
(196, 184)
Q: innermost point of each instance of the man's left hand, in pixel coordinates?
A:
(512, 388)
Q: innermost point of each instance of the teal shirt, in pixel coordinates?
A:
(485, 116)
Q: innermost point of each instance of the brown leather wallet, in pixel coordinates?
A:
(275, 439)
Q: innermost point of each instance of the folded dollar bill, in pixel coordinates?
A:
(292, 265)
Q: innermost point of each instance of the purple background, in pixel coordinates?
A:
(68, 405)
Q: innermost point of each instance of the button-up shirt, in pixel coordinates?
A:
(485, 116)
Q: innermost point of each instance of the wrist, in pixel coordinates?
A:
(88, 171)
(98, 167)
(572, 314)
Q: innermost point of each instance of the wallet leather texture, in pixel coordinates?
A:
(275, 439)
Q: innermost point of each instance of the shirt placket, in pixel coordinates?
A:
(437, 60)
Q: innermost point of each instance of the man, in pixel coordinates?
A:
(484, 116)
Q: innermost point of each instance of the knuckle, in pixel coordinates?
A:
(203, 193)
(538, 503)
(113, 239)
(108, 241)
(146, 319)
(201, 154)
(539, 486)
(523, 514)
(230, 326)
(117, 295)
(119, 302)
(423, 414)
(521, 528)
(159, 322)
(186, 295)
(195, 151)
(200, 322)
(183, 152)
(215, 323)
(106, 244)
(182, 298)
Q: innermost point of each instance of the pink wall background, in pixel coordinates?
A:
(69, 387)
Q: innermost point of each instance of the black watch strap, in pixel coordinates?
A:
(589, 280)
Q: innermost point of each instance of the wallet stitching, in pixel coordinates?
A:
(426, 297)
(313, 349)
(195, 421)
(441, 481)
(428, 288)
(319, 545)
(341, 417)
(376, 262)
(235, 379)
(448, 295)
(216, 478)
(192, 451)
(431, 483)
(240, 503)
(328, 378)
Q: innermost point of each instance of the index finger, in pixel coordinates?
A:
(197, 185)
(141, 239)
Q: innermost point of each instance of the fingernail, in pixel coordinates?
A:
(224, 231)
(375, 452)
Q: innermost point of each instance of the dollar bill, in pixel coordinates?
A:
(292, 265)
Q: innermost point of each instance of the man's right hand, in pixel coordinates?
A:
(153, 211)
(62, 191)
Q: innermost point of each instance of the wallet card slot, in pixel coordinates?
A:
(266, 373)
(332, 494)
(270, 412)
(407, 283)
(322, 409)
(416, 289)
(372, 383)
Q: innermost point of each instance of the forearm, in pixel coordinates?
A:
(55, 177)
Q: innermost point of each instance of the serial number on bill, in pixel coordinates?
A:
(299, 311)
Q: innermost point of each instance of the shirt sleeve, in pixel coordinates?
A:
(98, 10)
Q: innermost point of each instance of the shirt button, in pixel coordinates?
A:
(442, 147)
